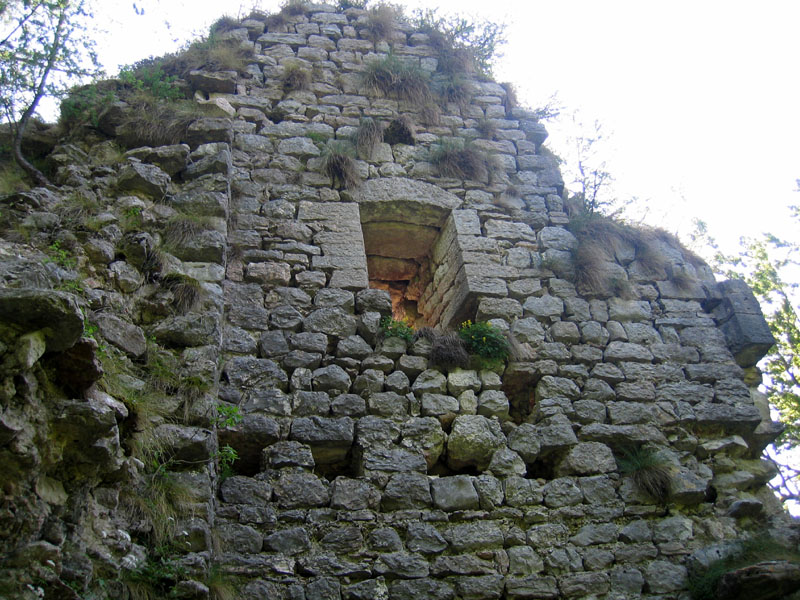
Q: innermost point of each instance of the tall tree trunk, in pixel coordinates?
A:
(24, 164)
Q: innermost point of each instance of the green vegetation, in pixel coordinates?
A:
(649, 471)
(484, 340)
(767, 265)
(156, 579)
(398, 79)
(60, 256)
(455, 159)
(464, 45)
(703, 584)
(393, 328)
(339, 165)
(46, 38)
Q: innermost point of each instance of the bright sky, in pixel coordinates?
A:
(700, 100)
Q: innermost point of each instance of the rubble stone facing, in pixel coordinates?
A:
(365, 471)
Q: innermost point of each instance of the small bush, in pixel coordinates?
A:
(338, 164)
(345, 4)
(295, 78)
(393, 328)
(457, 161)
(650, 472)
(223, 24)
(150, 77)
(484, 340)
(185, 291)
(368, 135)
(84, 105)
(464, 45)
(397, 79)
(293, 8)
(400, 131)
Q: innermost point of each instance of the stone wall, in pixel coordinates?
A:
(230, 271)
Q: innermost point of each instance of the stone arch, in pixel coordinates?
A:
(403, 223)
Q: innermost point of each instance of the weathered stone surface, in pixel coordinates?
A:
(473, 441)
(331, 321)
(144, 179)
(454, 493)
(125, 336)
(400, 200)
(329, 439)
(406, 490)
(57, 313)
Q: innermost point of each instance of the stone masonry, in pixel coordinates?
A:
(363, 471)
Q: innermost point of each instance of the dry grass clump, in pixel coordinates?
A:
(210, 54)
(650, 472)
(454, 88)
(339, 165)
(152, 122)
(368, 135)
(185, 291)
(381, 21)
(447, 349)
(459, 162)
(397, 79)
(400, 131)
(294, 78)
(510, 100)
(486, 128)
(183, 228)
(224, 24)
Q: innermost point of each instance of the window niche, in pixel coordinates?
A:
(410, 245)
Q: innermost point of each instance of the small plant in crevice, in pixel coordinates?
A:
(219, 584)
(484, 341)
(393, 328)
(185, 291)
(650, 472)
(295, 78)
(400, 131)
(183, 228)
(368, 135)
(60, 256)
(338, 164)
(486, 128)
(156, 578)
(459, 161)
(397, 79)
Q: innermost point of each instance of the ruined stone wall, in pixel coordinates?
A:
(363, 471)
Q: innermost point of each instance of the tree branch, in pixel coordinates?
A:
(26, 166)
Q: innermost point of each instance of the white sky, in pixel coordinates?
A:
(701, 99)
